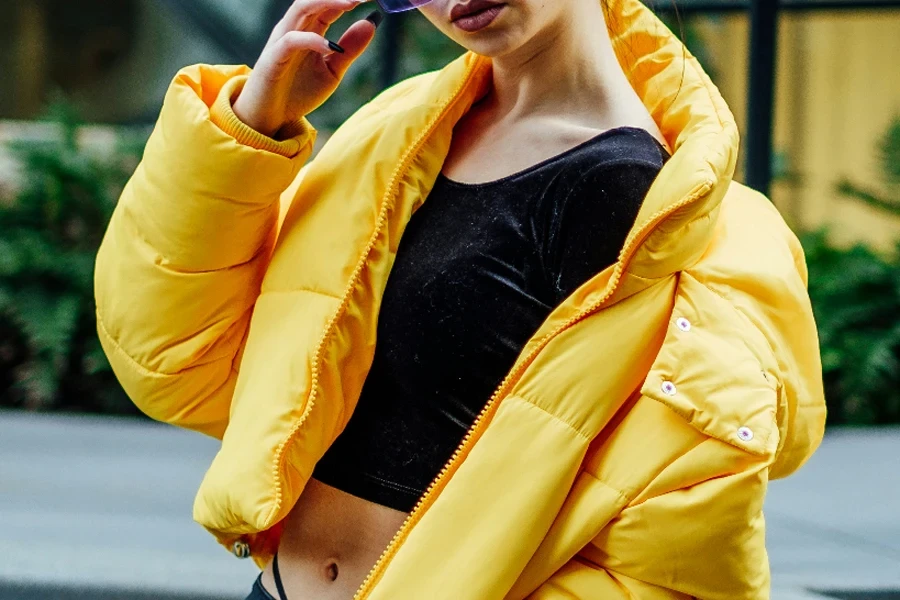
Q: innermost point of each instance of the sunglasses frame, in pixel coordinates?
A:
(410, 5)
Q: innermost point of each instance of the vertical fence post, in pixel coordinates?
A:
(763, 46)
(390, 49)
(31, 60)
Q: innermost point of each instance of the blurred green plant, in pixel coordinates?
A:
(888, 155)
(50, 228)
(856, 298)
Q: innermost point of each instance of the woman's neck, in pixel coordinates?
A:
(569, 69)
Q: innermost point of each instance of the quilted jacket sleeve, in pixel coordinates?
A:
(181, 264)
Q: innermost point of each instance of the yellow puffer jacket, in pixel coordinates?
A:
(627, 453)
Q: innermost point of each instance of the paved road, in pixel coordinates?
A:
(105, 504)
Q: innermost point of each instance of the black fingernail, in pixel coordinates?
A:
(335, 47)
(375, 18)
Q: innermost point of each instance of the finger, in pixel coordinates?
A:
(304, 13)
(294, 44)
(354, 41)
(323, 21)
(300, 10)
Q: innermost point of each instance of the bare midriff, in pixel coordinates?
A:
(330, 542)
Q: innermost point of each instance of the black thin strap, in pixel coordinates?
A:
(282, 595)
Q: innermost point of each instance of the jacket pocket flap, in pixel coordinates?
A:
(710, 372)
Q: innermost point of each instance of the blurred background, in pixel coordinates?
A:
(815, 87)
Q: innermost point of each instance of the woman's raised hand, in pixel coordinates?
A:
(299, 69)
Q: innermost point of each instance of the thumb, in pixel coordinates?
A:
(354, 42)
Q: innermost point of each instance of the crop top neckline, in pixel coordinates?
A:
(553, 159)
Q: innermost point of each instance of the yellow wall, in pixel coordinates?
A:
(837, 90)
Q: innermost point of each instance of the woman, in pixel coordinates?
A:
(594, 349)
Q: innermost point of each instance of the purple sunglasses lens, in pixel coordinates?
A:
(395, 6)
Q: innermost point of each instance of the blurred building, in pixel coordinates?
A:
(114, 58)
(837, 91)
(838, 85)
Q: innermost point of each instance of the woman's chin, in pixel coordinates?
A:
(491, 45)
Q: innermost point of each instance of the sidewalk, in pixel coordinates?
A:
(835, 525)
(106, 504)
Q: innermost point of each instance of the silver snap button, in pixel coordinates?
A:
(669, 388)
(683, 324)
(745, 434)
(241, 549)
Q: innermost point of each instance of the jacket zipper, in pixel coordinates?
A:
(280, 453)
(491, 407)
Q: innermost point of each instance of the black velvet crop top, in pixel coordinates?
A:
(478, 270)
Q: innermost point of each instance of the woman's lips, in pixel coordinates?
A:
(479, 19)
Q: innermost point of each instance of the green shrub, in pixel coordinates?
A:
(856, 299)
(50, 229)
(856, 296)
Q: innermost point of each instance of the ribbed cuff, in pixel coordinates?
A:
(295, 135)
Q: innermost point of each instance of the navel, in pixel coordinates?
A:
(331, 570)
